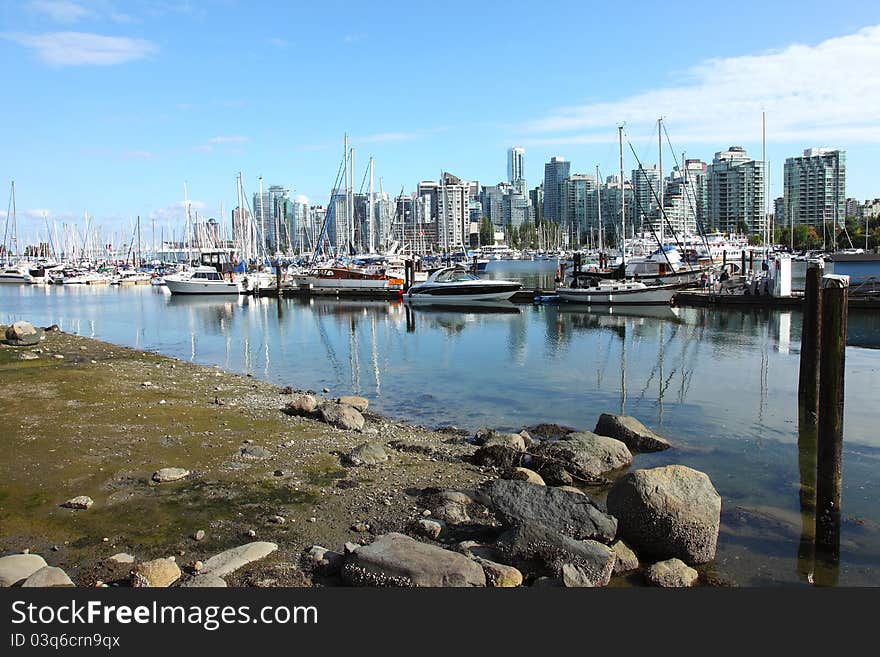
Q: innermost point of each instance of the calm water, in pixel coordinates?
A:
(722, 385)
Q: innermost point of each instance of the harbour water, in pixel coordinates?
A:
(722, 385)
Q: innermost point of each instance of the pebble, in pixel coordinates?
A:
(79, 502)
(313, 519)
(147, 384)
(251, 533)
(58, 356)
(199, 535)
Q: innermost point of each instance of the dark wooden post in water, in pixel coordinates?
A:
(829, 456)
(408, 275)
(742, 266)
(808, 383)
(278, 279)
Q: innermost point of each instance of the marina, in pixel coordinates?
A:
(721, 383)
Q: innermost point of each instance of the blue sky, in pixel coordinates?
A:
(110, 106)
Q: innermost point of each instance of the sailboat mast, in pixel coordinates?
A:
(599, 208)
(262, 218)
(622, 201)
(14, 225)
(370, 243)
(660, 164)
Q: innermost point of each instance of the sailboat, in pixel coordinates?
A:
(13, 272)
(598, 291)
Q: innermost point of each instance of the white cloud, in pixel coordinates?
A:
(36, 213)
(234, 139)
(63, 11)
(81, 48)
(278, 43)
(177, 211)
(823, 93)
(138, 155)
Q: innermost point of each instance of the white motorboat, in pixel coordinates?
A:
(613, 292)
(456, 285)
(201, 280)
(14, 274)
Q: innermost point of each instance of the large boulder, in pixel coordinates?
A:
(524, 474)
(576, 563)
(166, 475)
(510, 440)
(358, 403)
(158, 573)
(16, 567)
(231, 560)
(630, 432)
(301, 405)
(673, 511)
(397, 560)
(23, 334)
(341, 416)
(499, 456)
(671, 573)
(559, 510)
(46, 577)
(205, 582)
(369, 453)
(584, 455)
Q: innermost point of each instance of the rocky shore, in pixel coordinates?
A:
(125, 468)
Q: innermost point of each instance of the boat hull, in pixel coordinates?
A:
(643, 297)
(451, 293)
(193, 287)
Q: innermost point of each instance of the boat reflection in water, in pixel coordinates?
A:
(454, 318)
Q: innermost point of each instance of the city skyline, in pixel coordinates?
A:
(114, 106)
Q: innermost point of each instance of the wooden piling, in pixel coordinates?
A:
(808, 383)
(278, 280)
(742, 267)
(829, 453)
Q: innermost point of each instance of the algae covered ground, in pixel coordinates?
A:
(83, 417)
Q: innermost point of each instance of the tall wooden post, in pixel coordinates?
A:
(829, 456)
(742, 266)
(808, 383)
(277, 279)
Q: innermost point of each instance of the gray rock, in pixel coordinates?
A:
(673, 511)
(231, 560)
(555, 474)
(122, 557)
(16, 567)
(23, 334)
(357, 403)
(631, 432)
(671, 573)
(427, 528)
(28, 355)
(323, 561)
(582, 562)
(499, 575)
(593, 572)
(199, 535)
(511, 440)
(341, 416)
(524, 474)
(626, 558)
(46, 577)
(158, 573)
(561, 511)
(370, 453)
(79, 502)
(398, 560)
(169, 474)
(254, 452)
(584, 455)
(301, 405)
(208, 581)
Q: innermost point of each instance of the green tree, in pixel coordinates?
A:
(487, 231)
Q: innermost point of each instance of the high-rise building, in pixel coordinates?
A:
(735, 190)
(646, 191)
(516, 175)
(555, 173)
(536, 196)
(492, 198)
(814, 187)
(453, 224)
(853, 208)
(578, 197)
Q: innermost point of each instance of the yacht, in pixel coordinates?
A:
(331, 279)
(201, 280)
(14, 274)
(457, 285)
(613, 292)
